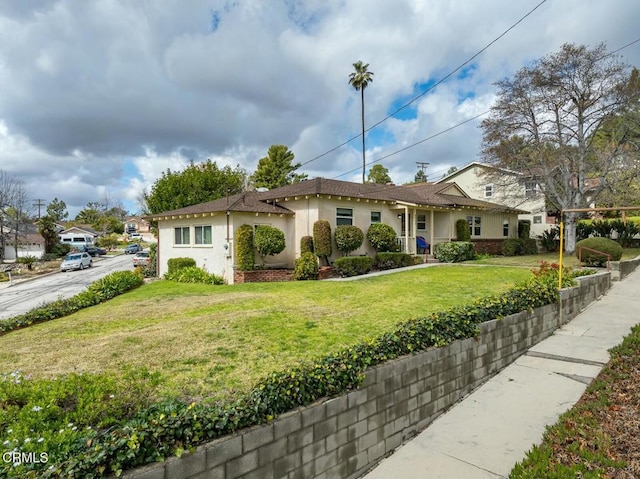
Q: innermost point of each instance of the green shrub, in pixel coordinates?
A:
(385, 261)
(348, 238)
(603, 245)
(306, 267)
(49, 257)
(245, 258)
(353, 265)
(454, 251)
(104, 289)
(463, 232)
(601, 228)
(322, 240)
(268, 241)
(417, 259)
(550, 239)
(583, 230)
(4, 277)
(306, 244)
(150, 270)
(193, 274)
(60, 250)
(28, 260)
(512, 247)
(524, 229)
(383, 238)
(625, 231)
(174, 264)
(529, 246)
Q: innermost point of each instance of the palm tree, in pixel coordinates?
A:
(360, 79)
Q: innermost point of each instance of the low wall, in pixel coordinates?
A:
(622, 269)
(262, 276)
(344, 436)
(488, 246)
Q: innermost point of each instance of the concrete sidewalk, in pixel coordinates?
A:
(485, 434)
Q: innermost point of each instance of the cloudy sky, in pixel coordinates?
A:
(99, 97)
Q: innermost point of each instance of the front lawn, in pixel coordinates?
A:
(213, 341)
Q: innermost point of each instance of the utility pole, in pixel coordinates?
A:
(422, 166)
(39, 202)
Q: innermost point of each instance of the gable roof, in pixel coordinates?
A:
(83, 228)
(486, 166)
(443, 195)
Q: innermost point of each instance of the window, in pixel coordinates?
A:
(181, 236)
(488, 191)
(505, 228)
(530, 189)
(537, 220)
(421, 222)
(376, 217)
(344, 216)
(475, 225)
(202, 235)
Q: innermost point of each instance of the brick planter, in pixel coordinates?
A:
(262, 276)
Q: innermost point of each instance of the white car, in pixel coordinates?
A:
(76, 261)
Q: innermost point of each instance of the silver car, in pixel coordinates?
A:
(76, 261)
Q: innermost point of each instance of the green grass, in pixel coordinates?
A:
(208, 341)
(531, 261)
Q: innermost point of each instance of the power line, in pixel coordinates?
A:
(428, 89)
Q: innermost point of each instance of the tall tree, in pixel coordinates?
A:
(276, 169)
(12, 195)
(195, 184)
(379, 174)
(47, 229)
(420, 177)
(57, 210)
(544, 121)
(360, 79)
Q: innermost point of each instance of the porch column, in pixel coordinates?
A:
(406, 229)
(431, 234)
(414, 226)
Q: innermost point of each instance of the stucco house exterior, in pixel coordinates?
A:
(205, 231)
(507, 188)
(30, 243)
(79, 235)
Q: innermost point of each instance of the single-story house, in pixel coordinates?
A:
(205, 232)
(79, 235)
(30, 243)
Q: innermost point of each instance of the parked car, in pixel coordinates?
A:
(135, 236)
(132, 248)
(93, 250)
(76, 261)
(141, 258)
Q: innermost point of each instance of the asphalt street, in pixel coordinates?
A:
(22, 296)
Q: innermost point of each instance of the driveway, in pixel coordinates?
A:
(25, 295)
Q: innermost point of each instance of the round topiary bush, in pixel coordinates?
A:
(603, 245)
(348, 238)
(306, 267)
(383, 238)
(245, 257)
(268, 241)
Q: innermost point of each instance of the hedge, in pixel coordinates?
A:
(603, 245)
(306, 267)
(170, 427)
(454, 251)
(463, 231)
(383, 238)
(174, 264)
(348, 238)
(245, 255)
(322, 240)
(102, 290)
(385, 261)
(353, 265)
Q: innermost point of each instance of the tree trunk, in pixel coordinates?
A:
(363, 156)
(570, 232)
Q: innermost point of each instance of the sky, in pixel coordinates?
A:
(98, 98)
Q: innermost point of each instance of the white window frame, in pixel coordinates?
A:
(505, 228)
(488, 190)
(342, 218)
(421, 222)
(475, 224)
(379, 220)
(195, 235)
(182, 229)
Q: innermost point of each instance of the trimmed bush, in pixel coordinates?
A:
(174, 264)
(245, 257)
(454, 251)
(193, 274)
(348, 238)
(463, 233)
(550, 239)
(625, 231)
(353, 265)
(268, 241)
(322, 240)
(529, 246)
(604, 245)
(524, 229)
(385, 261)
(383, 238)
(512, 247)
(306, 244)
(104, 289)
(306, 267)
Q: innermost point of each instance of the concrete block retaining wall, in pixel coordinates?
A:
(344, 436)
